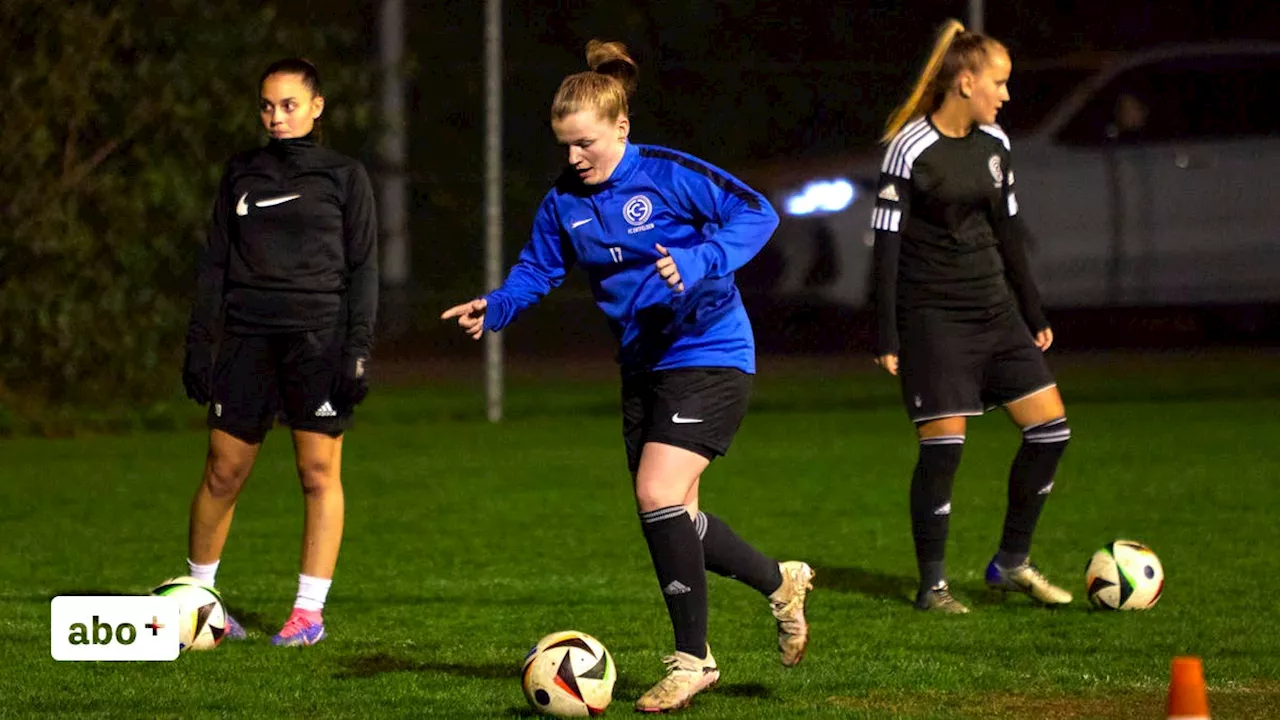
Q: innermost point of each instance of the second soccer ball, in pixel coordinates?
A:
(1124, 575)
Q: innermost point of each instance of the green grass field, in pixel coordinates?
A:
(466, 542)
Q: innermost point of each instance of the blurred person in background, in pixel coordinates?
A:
(282, 324)
(958, 314)
(1130, 118)
(660, 234)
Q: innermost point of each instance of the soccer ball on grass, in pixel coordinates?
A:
(1124, 575)
(202, 617)
(569, 674)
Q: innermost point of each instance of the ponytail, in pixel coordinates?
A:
(916, 103)
(612, 59)
(955, 51)
(604, 88)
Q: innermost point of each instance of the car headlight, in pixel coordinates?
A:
(821, 196)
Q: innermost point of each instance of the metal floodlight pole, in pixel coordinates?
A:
(975, 16)
(493, 197)
(393, 200)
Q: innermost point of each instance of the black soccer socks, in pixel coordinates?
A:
(729, 555)
(931, 503)
(678, 560)
(1030, 481)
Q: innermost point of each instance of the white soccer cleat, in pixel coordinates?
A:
(1026, 578)
(686, 676)
(938, 599)
(787, 604)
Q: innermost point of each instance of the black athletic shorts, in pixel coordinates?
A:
(697, 409)
(963, 363)
(291, 375)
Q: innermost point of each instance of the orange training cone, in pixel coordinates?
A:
(1187, 697)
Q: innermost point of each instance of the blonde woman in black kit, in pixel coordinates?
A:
(282, 324)
(959, 317)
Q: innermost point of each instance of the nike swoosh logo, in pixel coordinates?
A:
(579, 223)
(276, 200)
(683, 420)
(242, 207)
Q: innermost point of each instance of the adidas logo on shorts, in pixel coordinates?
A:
(326, 410)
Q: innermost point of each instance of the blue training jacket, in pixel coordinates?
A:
(709, 221)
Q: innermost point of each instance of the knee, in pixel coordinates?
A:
(650, 498)
(317, 476)
(652, 494)
(224, 477)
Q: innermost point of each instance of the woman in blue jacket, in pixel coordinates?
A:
(660, 234)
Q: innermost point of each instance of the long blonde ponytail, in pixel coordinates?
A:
(921, 95)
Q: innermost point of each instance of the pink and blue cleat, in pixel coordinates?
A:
(235, 631)
(304, 627)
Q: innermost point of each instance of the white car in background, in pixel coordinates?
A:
(1152, 183)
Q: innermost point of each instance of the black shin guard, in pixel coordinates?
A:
(1030, 481)
(677, 559)
(931, 503)
(729, 555)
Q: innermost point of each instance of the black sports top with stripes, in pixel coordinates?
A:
(947, 231)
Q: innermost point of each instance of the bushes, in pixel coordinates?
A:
(119, 119)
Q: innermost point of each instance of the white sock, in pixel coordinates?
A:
(312, 592)
(203, 573)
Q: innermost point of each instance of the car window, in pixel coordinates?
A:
(1035, 93)
(1182, 99)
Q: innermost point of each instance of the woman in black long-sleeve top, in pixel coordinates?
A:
(282, 326)
(959, 314)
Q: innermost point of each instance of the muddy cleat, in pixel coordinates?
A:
(938, 599)
(787, 603)
(1026, 578)
(303, 627)
(686, 676)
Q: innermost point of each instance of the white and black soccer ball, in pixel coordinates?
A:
(1124, 575)
(202, 617)
(569, 674)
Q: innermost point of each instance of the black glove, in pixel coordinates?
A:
(197, 372)
(353, 381)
